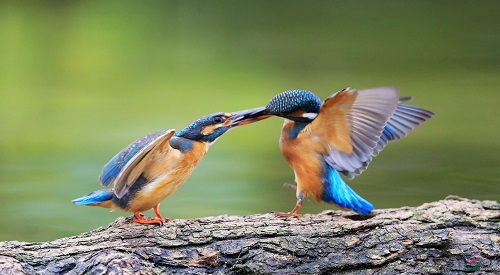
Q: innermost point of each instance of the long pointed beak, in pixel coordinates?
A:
(248, 116)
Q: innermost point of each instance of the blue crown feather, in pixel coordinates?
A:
(290, 101)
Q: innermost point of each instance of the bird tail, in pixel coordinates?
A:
(336, 191)
(100, 198)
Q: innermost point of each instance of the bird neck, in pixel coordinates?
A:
(293, 128)
(182, 144)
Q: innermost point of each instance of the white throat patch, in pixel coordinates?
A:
(310, 115)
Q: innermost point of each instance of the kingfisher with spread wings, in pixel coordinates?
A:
(155, 166)
(321, 140)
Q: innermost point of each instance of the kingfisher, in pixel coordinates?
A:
(321, 140)
(153, 167)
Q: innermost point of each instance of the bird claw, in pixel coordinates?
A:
(290, 185)
(145, 220)
(287, 214)
(140, 218)
(158, 221)
(163, 221)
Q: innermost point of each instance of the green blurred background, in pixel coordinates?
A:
(80, 80)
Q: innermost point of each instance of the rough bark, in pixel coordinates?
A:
(454, 235)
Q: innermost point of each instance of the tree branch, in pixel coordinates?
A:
(449, 236)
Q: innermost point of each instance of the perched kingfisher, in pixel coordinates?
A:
(155, 166)
(319, 139)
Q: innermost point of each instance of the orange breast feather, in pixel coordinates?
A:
(303, 154)
(168, 174)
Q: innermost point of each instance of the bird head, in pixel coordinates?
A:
(211, 127)
(296, 105)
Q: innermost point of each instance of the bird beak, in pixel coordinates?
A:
(248, 116)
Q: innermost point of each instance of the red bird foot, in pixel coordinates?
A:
(158, 220)
(287, 214)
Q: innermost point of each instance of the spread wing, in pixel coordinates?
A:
(350, 124)
(404, 120)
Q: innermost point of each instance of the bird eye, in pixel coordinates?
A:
(218, 119)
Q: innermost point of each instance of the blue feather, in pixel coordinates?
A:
(404, 120)
(111, 170)
(338, 192)
(116, 164)
(297, 128)
(94, 197)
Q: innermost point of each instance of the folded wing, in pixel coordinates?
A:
(116, 164)
(124, 168)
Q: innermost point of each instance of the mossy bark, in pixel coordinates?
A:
(450, 236)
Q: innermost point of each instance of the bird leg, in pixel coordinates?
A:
(297, 207)
(290, 185)
(158, 220)
(158, 215)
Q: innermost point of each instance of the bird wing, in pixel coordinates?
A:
(126, 166)
(111, 170)
(350, 124)
(404, 120)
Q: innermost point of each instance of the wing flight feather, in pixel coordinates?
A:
(350, 124)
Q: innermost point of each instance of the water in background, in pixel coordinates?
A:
(80, 80)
